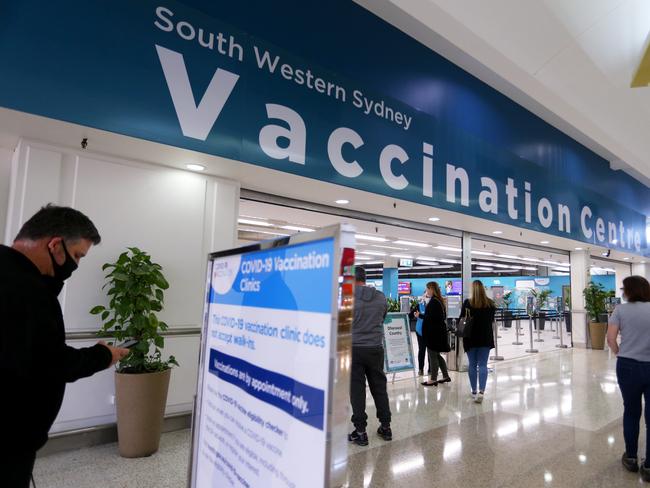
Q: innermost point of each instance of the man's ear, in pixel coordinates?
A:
(53, 242)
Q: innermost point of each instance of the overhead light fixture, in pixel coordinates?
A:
(362, 257)
(403, 256)
(363, 237)
(508, 256)
(297, 228)
(448, 248)
(578, 249)
(195, 167)
(342, 201)
(626, 259)
(429, 263)
(483, 253)
(426, 258)
(389, 247)
(484, 268)
(254, 222)
(453, 261)
(497, 232)
(410, 243)
(434, 219)
(544, 242)
(529, 268)
(373, 253)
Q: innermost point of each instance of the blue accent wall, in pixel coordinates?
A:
(390, 282)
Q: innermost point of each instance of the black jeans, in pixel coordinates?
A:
(368, 363)
(422, 353)
(634, 381)
(436, 361)
(16, 469)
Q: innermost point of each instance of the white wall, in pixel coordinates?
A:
(580, 261)
(176, 216)
(5, 178)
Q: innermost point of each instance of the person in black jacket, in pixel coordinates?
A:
(481, 309)
(35, 362)
(434, 334)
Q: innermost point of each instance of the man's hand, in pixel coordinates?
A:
(117, 353)
(417, 315)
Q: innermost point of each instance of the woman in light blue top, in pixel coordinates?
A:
(632, 321)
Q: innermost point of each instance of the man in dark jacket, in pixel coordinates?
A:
(370, 309)
(35, 362)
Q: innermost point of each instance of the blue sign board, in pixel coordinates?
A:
(165, 72)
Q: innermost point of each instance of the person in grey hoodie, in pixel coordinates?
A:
(370, 309)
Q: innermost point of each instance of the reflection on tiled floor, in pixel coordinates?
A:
(550, 420)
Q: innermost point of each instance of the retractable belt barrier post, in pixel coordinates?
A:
(517, 333)
(496, 356)
(560, 325)
(538, 329)
(530, 310)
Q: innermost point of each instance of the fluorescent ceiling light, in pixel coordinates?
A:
(483, 253)
(484, 268)
(434, 219)
(389, 247)
(410, 243)
(404, 256)
(454, 261)
(362, 237)
(544, 242)
(533, 260)
(362, 257)
(497, 232)
(254, 222)
(373, 253)
(297, 228)
(343, 201)
(530, 268)
(427, 258)
(578, 249)
(447, 248)
(504, 266)
(626, 258)
(508, 256)
(195, 167)
(257, 231)
(430, 263)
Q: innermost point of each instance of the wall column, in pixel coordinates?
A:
(580, 261)
(466, 266)
(641, 270)
(622, 271)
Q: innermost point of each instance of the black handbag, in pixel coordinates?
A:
(465, 325)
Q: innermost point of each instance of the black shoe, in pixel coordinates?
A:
(445, 380)
(429, 383)
(385, 433)
(645, 472)
(630, 463)
(359, 438)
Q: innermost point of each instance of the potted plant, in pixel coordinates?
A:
(595, 296)
(541, 299)
(393, 304)
(135, 289)
(507, 314)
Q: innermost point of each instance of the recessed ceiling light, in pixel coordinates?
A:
(362, 237)
(497, 232)
(403, 256)
(409, 243)
(578, 249)
(297, 228)
(447, 248)
(543, 242)
(343, 202)
(195, 167)
(373, 253)
(483, 253)
(429, 263)
(626, 258)
(434, 219)
(254, 222)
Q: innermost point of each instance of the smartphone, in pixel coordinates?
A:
(128, 344)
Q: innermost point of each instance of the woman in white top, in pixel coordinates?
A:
(632, 321)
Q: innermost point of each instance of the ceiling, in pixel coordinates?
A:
(569, 61)
(433, 254)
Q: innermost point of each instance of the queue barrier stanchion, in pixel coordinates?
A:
(496, 356)
(556, 321)
(560, 325)
(530, 330)
(517, 333)
(538, 329)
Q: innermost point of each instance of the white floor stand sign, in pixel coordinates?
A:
(398, 349)
(267, 399)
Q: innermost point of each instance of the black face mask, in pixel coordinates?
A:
(61, 271)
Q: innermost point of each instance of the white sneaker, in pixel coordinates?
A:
(479, 398)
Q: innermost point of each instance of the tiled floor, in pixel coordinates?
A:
(550, 420)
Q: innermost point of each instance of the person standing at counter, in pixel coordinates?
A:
(35, 362)
(418, 313)
(434, 334)
(631, 321)
(480, 309)
(370, 309)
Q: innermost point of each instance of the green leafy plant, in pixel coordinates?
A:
(136, 291)
(541, 297)
(507, 299)
(595, 296)
(393, 304)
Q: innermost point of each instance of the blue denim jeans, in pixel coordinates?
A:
(634, 381)
(478, 358)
